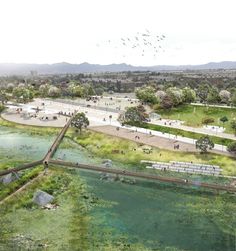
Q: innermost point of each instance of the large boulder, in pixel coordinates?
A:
(7, 178)
(42, 198)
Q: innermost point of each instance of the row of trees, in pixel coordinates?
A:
(25, 92)
(167, 98)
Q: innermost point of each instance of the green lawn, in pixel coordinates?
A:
(193, 115)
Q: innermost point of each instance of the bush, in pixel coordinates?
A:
(232, 147)
(207, 121)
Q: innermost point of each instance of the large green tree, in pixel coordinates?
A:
(213, 96)
(189, 95)
(134, 115)
(176, 95)
(204, 143)
(22, 94)
(224, 119)
(202, 92)
(232, 147)
(80, 121)
(43, 90)
(146, 94)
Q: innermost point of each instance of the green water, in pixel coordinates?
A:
(144, 216)
(159, 215)
(22, 146)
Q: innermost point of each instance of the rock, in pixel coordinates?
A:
(50, 206)
(107, 163)
(104, 176)
(8, 178)
(42, 198)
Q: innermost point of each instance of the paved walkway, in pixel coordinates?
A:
(217, 106)
(162, 141)
(192, 129)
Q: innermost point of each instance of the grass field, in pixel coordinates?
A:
(193, 115)
(103, 145)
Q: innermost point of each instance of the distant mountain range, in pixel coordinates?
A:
(64, 68)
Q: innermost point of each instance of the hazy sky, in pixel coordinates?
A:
(49, 31)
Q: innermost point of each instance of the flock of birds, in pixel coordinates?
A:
(142, 43)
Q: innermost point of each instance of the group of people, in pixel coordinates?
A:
(137, 137)
(176, 147)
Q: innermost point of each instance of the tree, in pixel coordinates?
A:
(76, 90)
(189, 95)
(134, 115)
(160, 94)
(176, 95)
(88, 90)
(224, 119)
(146, 94)
(202, 92)
(10, 87)
(43, 90)
(233, 126)
(166, 102)
(225, 96)
(213, 96)
(233, 99)
(54, 92)
(3, 97)
(232, 147)
(22, 93)
(80, 121)
(204, 143)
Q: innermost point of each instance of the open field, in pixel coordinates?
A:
(193, 115)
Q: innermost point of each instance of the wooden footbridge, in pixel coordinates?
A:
(47, 160)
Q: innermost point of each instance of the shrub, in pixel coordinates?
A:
(232, 147)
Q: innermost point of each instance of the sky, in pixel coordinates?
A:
(76, 31)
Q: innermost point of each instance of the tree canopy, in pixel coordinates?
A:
(204, 144)
(80, 121)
